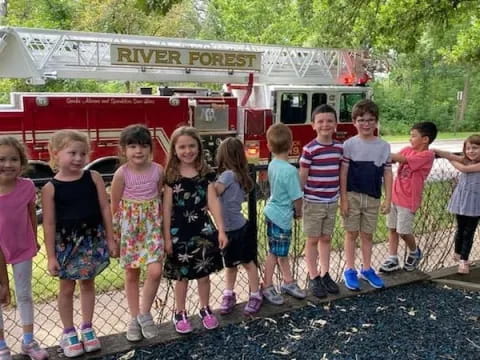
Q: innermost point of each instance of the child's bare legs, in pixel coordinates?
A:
(154, 275)
(366, 247)
(65, 302)
(231, 277)
(204, 291)
(284, 265)
(270, 264)
(132, 281)
(181, 287)
(252, 273)
(324, 247)
(350, 247)
(393, 242)
(311, 256)
(410, 241)
(87, 299)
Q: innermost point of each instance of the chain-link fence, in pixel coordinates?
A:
(434, 230)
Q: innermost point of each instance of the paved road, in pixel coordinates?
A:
(448, 145)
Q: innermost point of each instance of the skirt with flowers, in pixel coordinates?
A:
(137, 224)
(81, 250)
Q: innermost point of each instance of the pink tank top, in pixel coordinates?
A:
(142, 186)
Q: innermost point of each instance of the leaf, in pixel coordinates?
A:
(282, 351)
(367, 325)
(128, 355)
(320, 322)
(433, 317)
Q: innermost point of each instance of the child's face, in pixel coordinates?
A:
(73, 157)
(186, 149)
(418, 141)
(472, 151)
(365, 124)
(10, 163)
(324, 124)
(138, 154)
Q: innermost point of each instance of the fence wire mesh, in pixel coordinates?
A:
(434, 231)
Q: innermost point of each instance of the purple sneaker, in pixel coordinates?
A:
(228, 303)
(181, 322)
(209, 320)
(253, 305)
(34, 351)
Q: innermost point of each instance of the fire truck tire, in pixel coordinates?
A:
(39, 170)
(105, 166)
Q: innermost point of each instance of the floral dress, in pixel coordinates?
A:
(194, 238)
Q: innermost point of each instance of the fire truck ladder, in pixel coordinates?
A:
(40, 54)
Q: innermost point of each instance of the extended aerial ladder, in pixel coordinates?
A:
(39, 54)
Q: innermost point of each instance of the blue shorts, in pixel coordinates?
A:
(278, 239)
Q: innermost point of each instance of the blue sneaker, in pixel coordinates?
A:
(351, 279)
(413, 259)
(372, 278)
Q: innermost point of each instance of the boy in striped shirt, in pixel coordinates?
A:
(320, 181)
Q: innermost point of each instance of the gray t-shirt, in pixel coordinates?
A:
(231, 200)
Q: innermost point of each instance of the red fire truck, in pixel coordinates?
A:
(263, 84)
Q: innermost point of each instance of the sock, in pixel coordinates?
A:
(256, 294)
(69, 330)
(86, 325)
(27, 338)
(414, 252)
(227, 292)
(3, 344)
(393, 258)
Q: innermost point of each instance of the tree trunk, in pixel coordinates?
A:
(3, 8)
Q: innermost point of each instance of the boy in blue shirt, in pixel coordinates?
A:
(285, 195)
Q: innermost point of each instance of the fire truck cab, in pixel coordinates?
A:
(263, 84)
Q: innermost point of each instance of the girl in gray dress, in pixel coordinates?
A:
(465, 200)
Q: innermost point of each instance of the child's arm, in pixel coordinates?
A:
(116, 190)
(106, 214)
(219, 188)
(387, 184)
(399, 158)
(343, 189)
(32, 212)
(465, 168)
(297, 204)
(48, 214)
(4, 285)
(448, 155)
(167, 213)
(160, 189)
(215, 208)
(303, 174)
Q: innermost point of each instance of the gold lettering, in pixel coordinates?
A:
(124, 54)
(230, 59)
(217, 58)
(146, 57)
(206, 58)
(174, 57)
(193, 57)
(240, 60)
(161, 57)
(251, 58)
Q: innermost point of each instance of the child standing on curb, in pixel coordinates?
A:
(415, 161)
(78, 226)
(286, 195)
(191, 240)
(18, 240)
(465, 200)
(232, 185)
(137, 217)
(320, 180)
(366, 162)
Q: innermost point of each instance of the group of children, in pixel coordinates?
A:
(159, 219)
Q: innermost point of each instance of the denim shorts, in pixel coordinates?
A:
(278, 239)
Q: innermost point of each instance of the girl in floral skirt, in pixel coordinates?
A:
(137, 218)
(191, 240)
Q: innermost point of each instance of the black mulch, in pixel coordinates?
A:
(418, 321)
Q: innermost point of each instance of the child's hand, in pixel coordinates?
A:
(168, 246)
(297, 214)
(222, 240)
(53, 266)
(4, 295)
(344, 208)
(385, 207)
(113, 248)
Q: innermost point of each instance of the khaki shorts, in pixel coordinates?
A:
(362, 213)
(319, 218)
(401, 219)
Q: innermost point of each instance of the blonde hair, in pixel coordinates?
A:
(231, 156)
(472, 139)
(172, 172)
(61, 139)
(18, 146)
(279, 137)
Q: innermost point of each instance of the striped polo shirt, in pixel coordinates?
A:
(323, 164)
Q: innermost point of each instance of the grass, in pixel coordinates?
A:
(441, 136)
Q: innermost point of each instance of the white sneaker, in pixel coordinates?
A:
(71, 346)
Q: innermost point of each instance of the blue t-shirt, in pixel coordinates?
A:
(367, 160)
(231, 200)
(284, 190)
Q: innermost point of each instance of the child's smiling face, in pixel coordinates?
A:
(10, 163)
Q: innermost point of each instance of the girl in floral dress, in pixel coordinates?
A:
(191, 240)
(136, 205)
